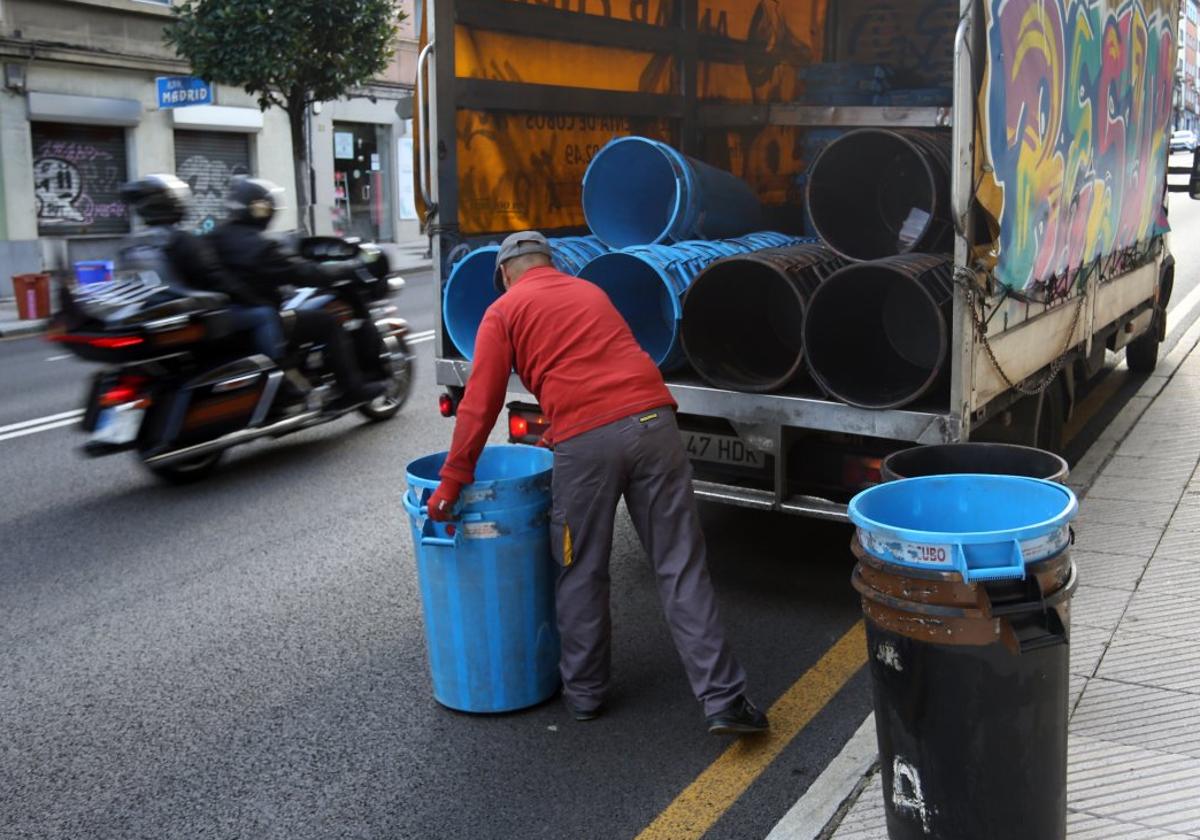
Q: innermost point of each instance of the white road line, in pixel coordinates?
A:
(35, 429)
(59, 357)
(25, 424)
(421, 338)
(1180, 311)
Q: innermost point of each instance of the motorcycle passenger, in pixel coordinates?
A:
(162, 202)
(263, 264)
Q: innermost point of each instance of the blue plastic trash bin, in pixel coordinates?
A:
(985, 527)
(88, 272)
(487, 582)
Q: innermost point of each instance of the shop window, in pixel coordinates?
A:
(77, 176)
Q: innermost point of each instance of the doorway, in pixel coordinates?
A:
(362, 205)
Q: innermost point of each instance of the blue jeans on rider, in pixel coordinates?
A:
(264, 322)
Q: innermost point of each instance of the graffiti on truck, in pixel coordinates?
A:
(70, 181)
(1076, 117)
(910, 39)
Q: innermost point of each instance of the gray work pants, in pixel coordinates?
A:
(642, 458)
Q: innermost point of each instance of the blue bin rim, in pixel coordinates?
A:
(1025, 532)
(677, 161)
(452, 326)
(431, 484)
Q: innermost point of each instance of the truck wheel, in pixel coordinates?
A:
(1141, 354)
(1052, 419)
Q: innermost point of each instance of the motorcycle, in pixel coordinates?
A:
(180, 387)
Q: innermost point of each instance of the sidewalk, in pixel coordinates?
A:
(1134, 732)
(410, 255)
(11, 325)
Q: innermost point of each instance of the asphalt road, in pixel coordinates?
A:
(245, 657)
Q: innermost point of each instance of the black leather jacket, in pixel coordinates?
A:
(262, 264)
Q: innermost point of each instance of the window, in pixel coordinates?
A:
(78, 171)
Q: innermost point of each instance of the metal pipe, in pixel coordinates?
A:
(876, 334)
(876, 193)
(638, 191)
(646, 283)
(470, 289)
(743, 317)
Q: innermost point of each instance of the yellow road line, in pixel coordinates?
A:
(1092, 403)
(703, 802)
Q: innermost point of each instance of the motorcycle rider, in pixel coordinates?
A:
(162, 202)
(265, 266)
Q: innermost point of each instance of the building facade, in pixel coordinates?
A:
(79, 116)
(1187, 87)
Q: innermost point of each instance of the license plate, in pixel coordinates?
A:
(118, 425)
(721, 449)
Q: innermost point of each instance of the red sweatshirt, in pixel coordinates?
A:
(574, 353)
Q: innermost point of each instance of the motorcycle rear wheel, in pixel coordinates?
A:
(187, 472)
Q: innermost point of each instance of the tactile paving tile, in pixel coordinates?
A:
(1162, 441)
(1155, 489)
(1173, 616)
(1096, 606)
(1124, 512)
(1178, 544)
(1081, 826)
(1171, 577)
(1087, 647)
(1133, 786)
(866, 820)
(1134, 715)
(1129, 466)
(1112, 571)
(1134, 656)
(1106, 538)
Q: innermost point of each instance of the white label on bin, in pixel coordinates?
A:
(906, 552)
(480, 530)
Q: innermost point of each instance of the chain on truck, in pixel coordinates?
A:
(1041, 139)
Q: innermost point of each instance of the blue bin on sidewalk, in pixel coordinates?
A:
(88, 272)
(985, 527)
(487, 582)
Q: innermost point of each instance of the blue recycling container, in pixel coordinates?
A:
(985, 527)
(639, 191)
(487, 582)
(646, 284)
(88, 272)
(470, 289)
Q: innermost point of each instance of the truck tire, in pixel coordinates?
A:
(1141, 354)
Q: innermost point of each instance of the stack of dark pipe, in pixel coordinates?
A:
(866, 313)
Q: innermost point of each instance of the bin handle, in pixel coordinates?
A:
(1014, 569)
(430, 537)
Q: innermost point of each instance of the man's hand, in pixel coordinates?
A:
(443, 500)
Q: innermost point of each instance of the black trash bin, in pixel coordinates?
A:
(970, 683)
(990, 458)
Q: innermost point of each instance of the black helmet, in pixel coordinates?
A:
(158, 199)
(253, 201)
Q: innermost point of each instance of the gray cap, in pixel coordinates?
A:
(518, 245)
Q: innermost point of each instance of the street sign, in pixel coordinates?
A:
(181, 91)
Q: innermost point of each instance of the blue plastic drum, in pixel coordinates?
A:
(985, 527)
(487, 582)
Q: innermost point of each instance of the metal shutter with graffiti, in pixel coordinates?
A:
(77, 176)
(207, 160)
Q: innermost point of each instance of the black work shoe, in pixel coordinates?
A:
(583, 715)
(741, 718)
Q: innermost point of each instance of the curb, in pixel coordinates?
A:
(18, 329)
(820, 811)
